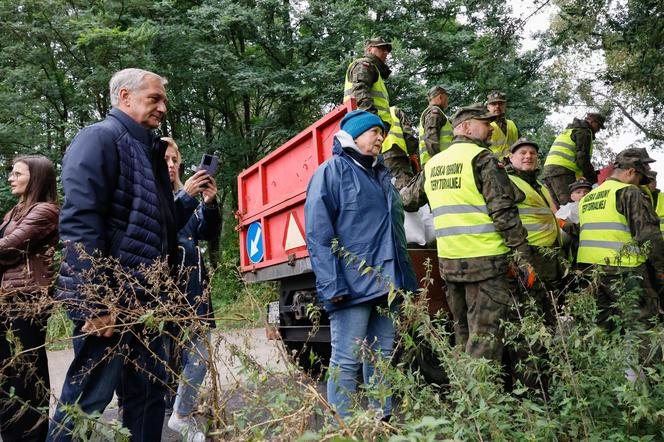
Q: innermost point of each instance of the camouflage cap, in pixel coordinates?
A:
(597, 117)
(496, 97)
(581, 183)
(637, 158)
(475, 111)
(523, 141)
(379, 42)
(435, 91)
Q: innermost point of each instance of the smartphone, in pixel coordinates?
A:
(209, 164)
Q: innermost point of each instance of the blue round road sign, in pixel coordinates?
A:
(255, 248)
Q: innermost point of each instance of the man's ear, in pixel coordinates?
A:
(123, 96)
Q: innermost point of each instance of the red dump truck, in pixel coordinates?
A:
(271, 196)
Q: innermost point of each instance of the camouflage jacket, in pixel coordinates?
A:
(496, 187)
(583, 137)
(643, 224)
(432, 121)
(502, 124)
(363, 73)
(408, 135)
(545, 260)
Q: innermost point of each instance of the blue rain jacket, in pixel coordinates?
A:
(362, 210)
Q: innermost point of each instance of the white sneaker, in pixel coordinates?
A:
(187, 427)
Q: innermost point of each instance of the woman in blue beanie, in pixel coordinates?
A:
(351, 199)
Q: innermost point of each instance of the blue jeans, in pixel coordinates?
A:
(98, 367)
(195, 362)
(349, 327)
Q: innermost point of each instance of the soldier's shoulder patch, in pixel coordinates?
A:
(365, 64)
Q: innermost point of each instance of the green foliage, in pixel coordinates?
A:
(590, 396)
(60, 329)
(629, 36)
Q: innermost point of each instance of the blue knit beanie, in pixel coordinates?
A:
(359, 121)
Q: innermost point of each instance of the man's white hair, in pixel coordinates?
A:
(130, 79)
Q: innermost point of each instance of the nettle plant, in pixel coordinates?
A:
(583, 391)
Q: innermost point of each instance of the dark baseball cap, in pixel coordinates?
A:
(378, 42)
(496, 97)
(435, 91)
(637, 158)
(475, 111)
(597, 117)
(523, 141)
(581, 183)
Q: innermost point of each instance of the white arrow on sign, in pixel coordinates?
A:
(253, 243)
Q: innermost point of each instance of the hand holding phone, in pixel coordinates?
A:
(209, 164)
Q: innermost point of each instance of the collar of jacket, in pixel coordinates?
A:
(465, 139)
(581, 124)
(145, 136)
(382, 67)
(529, 177)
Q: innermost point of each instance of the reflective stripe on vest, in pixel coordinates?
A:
(605, 236)
(536, 215)
(445, 136)
(500, 142)
(379, 95)
(563, 153)
(395, 135)
(463, 227)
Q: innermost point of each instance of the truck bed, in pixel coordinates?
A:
(271, 195)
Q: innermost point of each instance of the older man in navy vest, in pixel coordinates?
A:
(118, 204)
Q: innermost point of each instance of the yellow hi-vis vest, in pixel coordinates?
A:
(500, 142)
(379, 95)
(537, 215)
(563, 153)
(659, 208)
(463, 226)
(395, 135)
(605, 237)
(445, 136)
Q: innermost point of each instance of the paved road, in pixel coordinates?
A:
(264, 352)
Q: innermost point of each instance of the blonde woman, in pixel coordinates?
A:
(203, 224)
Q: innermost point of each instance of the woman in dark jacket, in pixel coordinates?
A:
(28, 236)
(203, 224)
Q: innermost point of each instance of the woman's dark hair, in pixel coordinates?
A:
(41, 186)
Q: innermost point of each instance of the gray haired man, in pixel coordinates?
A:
(117, 204)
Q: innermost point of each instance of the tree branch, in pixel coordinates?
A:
(647, 132)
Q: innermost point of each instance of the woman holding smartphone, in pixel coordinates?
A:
(203, 224)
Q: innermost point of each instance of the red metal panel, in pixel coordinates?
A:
(276, 186)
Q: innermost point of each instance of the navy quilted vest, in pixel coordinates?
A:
(135, 210)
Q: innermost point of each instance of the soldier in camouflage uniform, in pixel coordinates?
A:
(395, 157)
(365, 77)
(537, 215)
(505, 132)
(434, 130)
(569, 157)
(616, 213)
(478, 292)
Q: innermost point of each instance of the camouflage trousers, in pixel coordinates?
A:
(559, 187)
(478, 309)
(399, 165)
